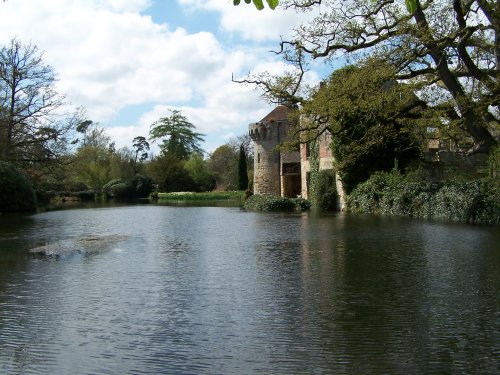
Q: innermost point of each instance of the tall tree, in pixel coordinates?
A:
(242, 169)
(32, 128)
(177, 135)
(141, 148)
(451, 46)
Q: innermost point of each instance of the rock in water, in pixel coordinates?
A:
(88, 245)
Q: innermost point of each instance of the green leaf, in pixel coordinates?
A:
(258, 4)
(411, 5)
(272, 3)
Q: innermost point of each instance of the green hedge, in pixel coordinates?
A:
(273, 203)
(476, 201)
(16, 192)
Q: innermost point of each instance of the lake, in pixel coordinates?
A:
(220, 290)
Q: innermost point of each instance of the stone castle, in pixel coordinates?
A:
(285, 173)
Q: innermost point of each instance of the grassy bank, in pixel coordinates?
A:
(206, 196)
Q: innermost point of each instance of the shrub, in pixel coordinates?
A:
(273, 203)
(137, 187)
(325, 197)
(474, 201)
(140, 186)
(16, 192)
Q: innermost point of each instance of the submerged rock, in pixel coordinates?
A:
(88, 245)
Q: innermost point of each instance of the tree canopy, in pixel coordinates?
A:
(372, 120)
(449, 47)
(32, 127)
(177, 135)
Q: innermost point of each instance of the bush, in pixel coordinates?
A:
(325, 195)
(476, 201)
(16, 192)
(138, 187)
(273, 203)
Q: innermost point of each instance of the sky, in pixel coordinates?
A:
(128, 62)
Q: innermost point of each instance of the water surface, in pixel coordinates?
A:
(218, 290)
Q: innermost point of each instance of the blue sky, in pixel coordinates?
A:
(129, 61)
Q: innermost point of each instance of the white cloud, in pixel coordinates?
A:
(108, 55)
(252, 24)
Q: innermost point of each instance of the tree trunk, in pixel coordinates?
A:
(475, 123)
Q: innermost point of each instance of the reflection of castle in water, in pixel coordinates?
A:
(285, 173)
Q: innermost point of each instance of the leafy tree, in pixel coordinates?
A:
(197, 168)
(371, 120)
(224, 166)
(168, 172)
(31, 126)
(122, 164)
(242, 169)
(141, 146)
(91, 163)
(451, 47)
(16, 192)
(181, 139)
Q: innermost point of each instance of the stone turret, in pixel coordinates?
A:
(271, 167)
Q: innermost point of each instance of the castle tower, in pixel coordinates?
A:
(275, 173)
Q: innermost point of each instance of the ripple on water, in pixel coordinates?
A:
(226, 291)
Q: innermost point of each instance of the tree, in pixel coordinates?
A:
(449, 46)
(197, 168)
(141, 146)
(169, 173)
(224, 166)
(91, 164)
(16, 192)
(259, 4)
(181, 139)
(32, 128)
(242, 169)
(372, 120)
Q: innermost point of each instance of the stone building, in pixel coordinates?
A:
(275, 172)
(285, 173)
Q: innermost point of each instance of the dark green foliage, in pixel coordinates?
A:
(273, 203)
(140, 186)
(242, 169)
(178, 135)
(325, 192)
(475, 201)
(137, 187)
(16, 192)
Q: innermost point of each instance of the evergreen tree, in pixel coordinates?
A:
(242, 170)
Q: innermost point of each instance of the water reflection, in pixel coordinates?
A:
(222, 290)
